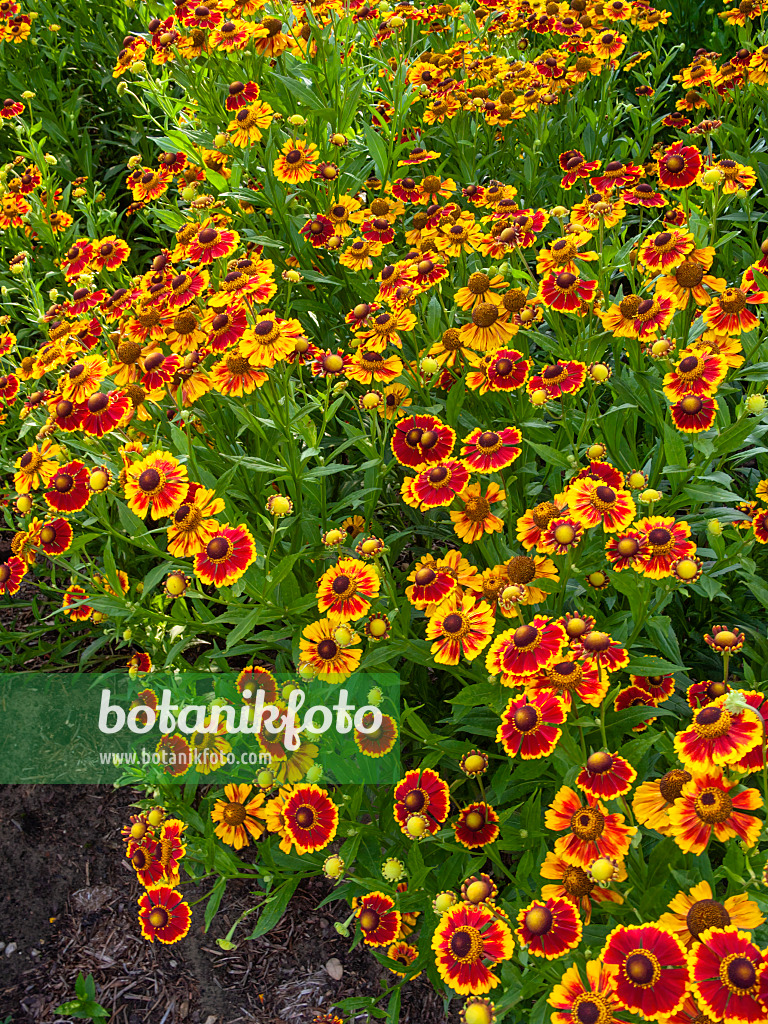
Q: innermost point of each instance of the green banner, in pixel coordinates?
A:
(214, 728)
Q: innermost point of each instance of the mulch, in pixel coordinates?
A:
(68, 903)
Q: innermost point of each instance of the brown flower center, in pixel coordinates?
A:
(706, 914)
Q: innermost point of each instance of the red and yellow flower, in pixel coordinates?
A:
(311, 818)
(226, 556)
(606, 776)
(478, 825)
(707, 805)
(345, 591)
(530, 727)
(728, 975)
(549, 928)
(461, 626)
(526, 650)
(379, 921)
(652, 977)
(593, 504)
(164, 915)
(320, 649)
(592, 832)
(573, 999)
(468, 941)
(424, 793)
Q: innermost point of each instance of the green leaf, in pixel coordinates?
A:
(274, 907)
(650, 665)
(551, 456)
(214, 901)
(377, 150)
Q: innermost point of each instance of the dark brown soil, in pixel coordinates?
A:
(68, 902)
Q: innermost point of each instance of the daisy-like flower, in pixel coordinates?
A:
(707, 805)
(270, 340)
(164, 915)
(699, 694)
(68, 489)
(694, 413)
(83, 378)
(718, 737)
(568, 679)
(431, 584)
(687, 281)
(467, 942)
(404, 954)
(593, 504)
(211, 243)
(237, 817)
(368, 367)
(36, 466)
(325, 654)
(506, 370)
(460, 626)
(249, 124)
(652, 316)
(665, 542)
(311, 818)
(549, 928)
(376, 742)
(526, 650)
(379, 921)
(421, 440)
(652, 800)
(728, 975)
(606, 776)
(530, 727)
(12, 572)
(488, 451)
(109, 253)
(565, 292)
(103, 413)
(624, 550)
(478, 826)
(643, 194)
(345, 591)
(659, 687)
(525, 570)
(532, 525)
(489, 328)
(440, 484)
(561, 535)
(297, 162)
(698, 373)
(728, 313)
(592, 832)
(666, 251)
(422, 792)
(693, 913)
(565, 377)
(476, 518)
(575, 165)
(226, 556)
(652, 977)
(193, 526)
(678, 166)
(157, 483)
(595, 1000)
(55, 536)
(599, 648)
